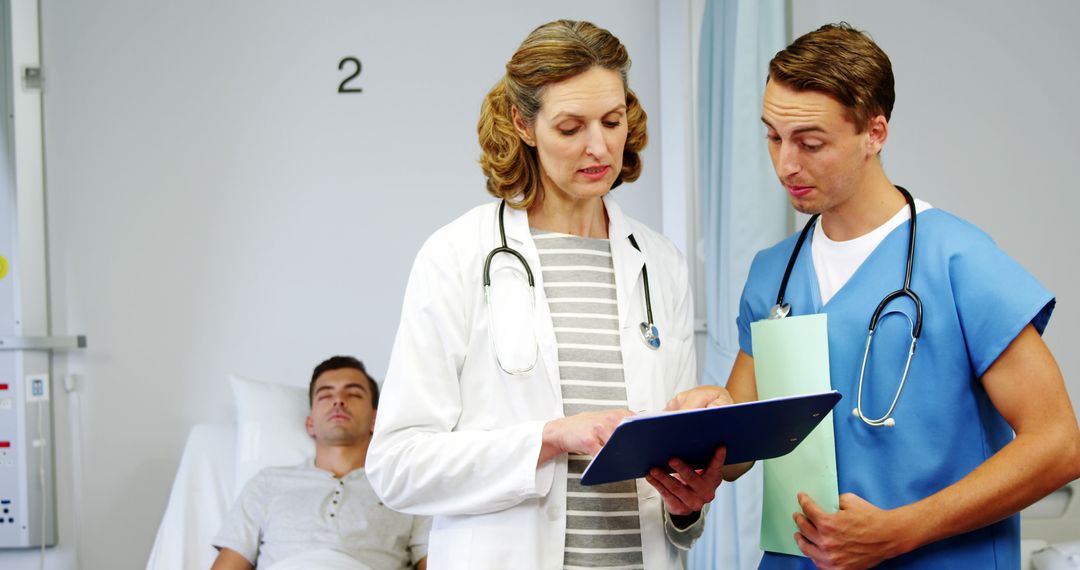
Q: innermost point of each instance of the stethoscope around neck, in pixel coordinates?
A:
(650, 334)
(781, 310)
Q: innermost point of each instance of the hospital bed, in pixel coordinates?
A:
(218, 458)
(1050, 531)
(216, 462)
(201, 495)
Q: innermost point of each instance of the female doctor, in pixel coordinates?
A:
(497, 395)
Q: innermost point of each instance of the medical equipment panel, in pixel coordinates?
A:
(27, 491)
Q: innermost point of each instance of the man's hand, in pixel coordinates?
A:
(707, 396)
(583, 433)
(859, 535)
(689, 490)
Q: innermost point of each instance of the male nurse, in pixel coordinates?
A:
(983, 426)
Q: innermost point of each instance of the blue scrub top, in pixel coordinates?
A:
(976, 300)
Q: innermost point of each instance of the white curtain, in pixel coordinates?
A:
(743, 211)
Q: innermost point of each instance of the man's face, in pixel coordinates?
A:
(818, 156)
(342, 412)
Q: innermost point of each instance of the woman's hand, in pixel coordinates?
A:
(583, 433)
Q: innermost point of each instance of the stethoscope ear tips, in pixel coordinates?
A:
(650, 335)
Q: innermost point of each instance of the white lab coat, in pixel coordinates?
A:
(458, 438)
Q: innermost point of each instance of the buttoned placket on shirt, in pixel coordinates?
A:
(336, 499)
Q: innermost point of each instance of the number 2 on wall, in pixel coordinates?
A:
(343, 87)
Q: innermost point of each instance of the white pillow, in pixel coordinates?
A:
(270, 428)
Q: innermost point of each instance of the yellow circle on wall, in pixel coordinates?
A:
(3, 267)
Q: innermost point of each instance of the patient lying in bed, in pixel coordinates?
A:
(323, 513)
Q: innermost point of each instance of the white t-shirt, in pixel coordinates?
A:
(836, 261)
(284, 511)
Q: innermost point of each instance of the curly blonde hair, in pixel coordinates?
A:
(554, 52)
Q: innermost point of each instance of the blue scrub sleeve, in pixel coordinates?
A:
(995, 299)
(743, 322)
(759, 292)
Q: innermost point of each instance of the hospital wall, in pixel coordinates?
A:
(217, 207)
(985, 126)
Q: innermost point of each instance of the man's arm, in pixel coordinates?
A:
(742, 386)
(1027, 388)
(229, 559)
(238, 539)
(742, 383)
(418, 541)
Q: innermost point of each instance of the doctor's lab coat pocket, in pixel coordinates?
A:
(482, 548)
(449, 548)
(511, 313)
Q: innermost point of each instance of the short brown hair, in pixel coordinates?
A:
(554, 52)
(841, 62)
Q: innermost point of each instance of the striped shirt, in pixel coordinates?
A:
(603, 528)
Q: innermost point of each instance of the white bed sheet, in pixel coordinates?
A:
(204, 490)
(200, 497)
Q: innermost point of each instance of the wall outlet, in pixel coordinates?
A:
(37, 388)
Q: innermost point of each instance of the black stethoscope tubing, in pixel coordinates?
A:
(781, 310)
(649, 332)
(645, 283)
(505, 249)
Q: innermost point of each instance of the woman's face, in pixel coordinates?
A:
(579, 135)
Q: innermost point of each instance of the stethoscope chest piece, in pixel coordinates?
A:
(779, 311)
(650, 335)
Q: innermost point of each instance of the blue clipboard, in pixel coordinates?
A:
(751, 431)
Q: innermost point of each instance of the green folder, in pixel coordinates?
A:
(791, 356)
